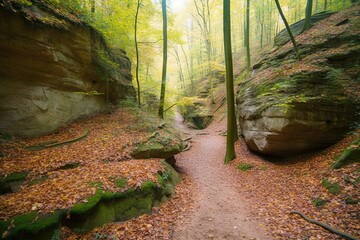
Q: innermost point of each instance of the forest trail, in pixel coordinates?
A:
(219, 212)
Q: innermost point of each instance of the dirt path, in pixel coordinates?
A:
(219, 211)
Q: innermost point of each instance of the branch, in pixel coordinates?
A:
(170, 107)
(325, 226)
(56, 144)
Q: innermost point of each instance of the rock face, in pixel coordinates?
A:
(290, 106)
(54, 70)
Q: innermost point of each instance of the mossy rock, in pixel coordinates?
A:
(158, 147)
(349, 155)
(101, 208)
(31, 226)
(12, 182)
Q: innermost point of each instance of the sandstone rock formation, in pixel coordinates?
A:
(290, 106)
(54, 70)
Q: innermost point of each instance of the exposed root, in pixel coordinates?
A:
(325, 226)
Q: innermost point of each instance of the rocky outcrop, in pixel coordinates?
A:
(54, 70)
(290, 106)
(161, 144)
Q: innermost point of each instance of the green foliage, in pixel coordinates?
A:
(333, 188)
(245, 166)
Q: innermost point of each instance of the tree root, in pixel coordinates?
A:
(55, 143)
(187, 148)
(326, 226)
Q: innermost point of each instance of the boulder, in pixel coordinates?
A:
(54, 70)
(289, 106)
(161, 144)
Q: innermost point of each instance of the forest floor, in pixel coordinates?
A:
(213, 201)
(231, 203)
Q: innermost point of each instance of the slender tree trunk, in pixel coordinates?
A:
(232, 134)
(308, 14)
(92, 2)
(247, 36)
(287, 28)
(325, 4)
(163, 78)
(181, 74)
(137, 52)
(187, 66)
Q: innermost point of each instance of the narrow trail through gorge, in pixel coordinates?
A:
(219, 210)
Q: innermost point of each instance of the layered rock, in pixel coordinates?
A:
(54, 70)
(290, 106)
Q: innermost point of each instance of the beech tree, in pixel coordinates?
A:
(247, 35)
(163, 78)
(308, 14)
(137, 51)
(232, 135)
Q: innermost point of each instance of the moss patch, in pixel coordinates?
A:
(38, 180)
(319, 202)
(27, 226)
(120, 182)
(15, 177)
(350, 155)
(245, 166)
(333, 188)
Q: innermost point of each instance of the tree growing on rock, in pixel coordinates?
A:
(308, 13)
(288, 28)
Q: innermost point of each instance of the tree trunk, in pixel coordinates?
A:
(287, 28)
(308, 14)
(163, 78)
(247, 36)
(137, 52)
(232, 134)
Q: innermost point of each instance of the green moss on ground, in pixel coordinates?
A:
(16, 176)
(350, 155)
(319, 202)
(245, 166)
(38, 180)
(121, 182)
(333, 188)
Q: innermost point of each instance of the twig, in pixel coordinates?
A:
(325, 226)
